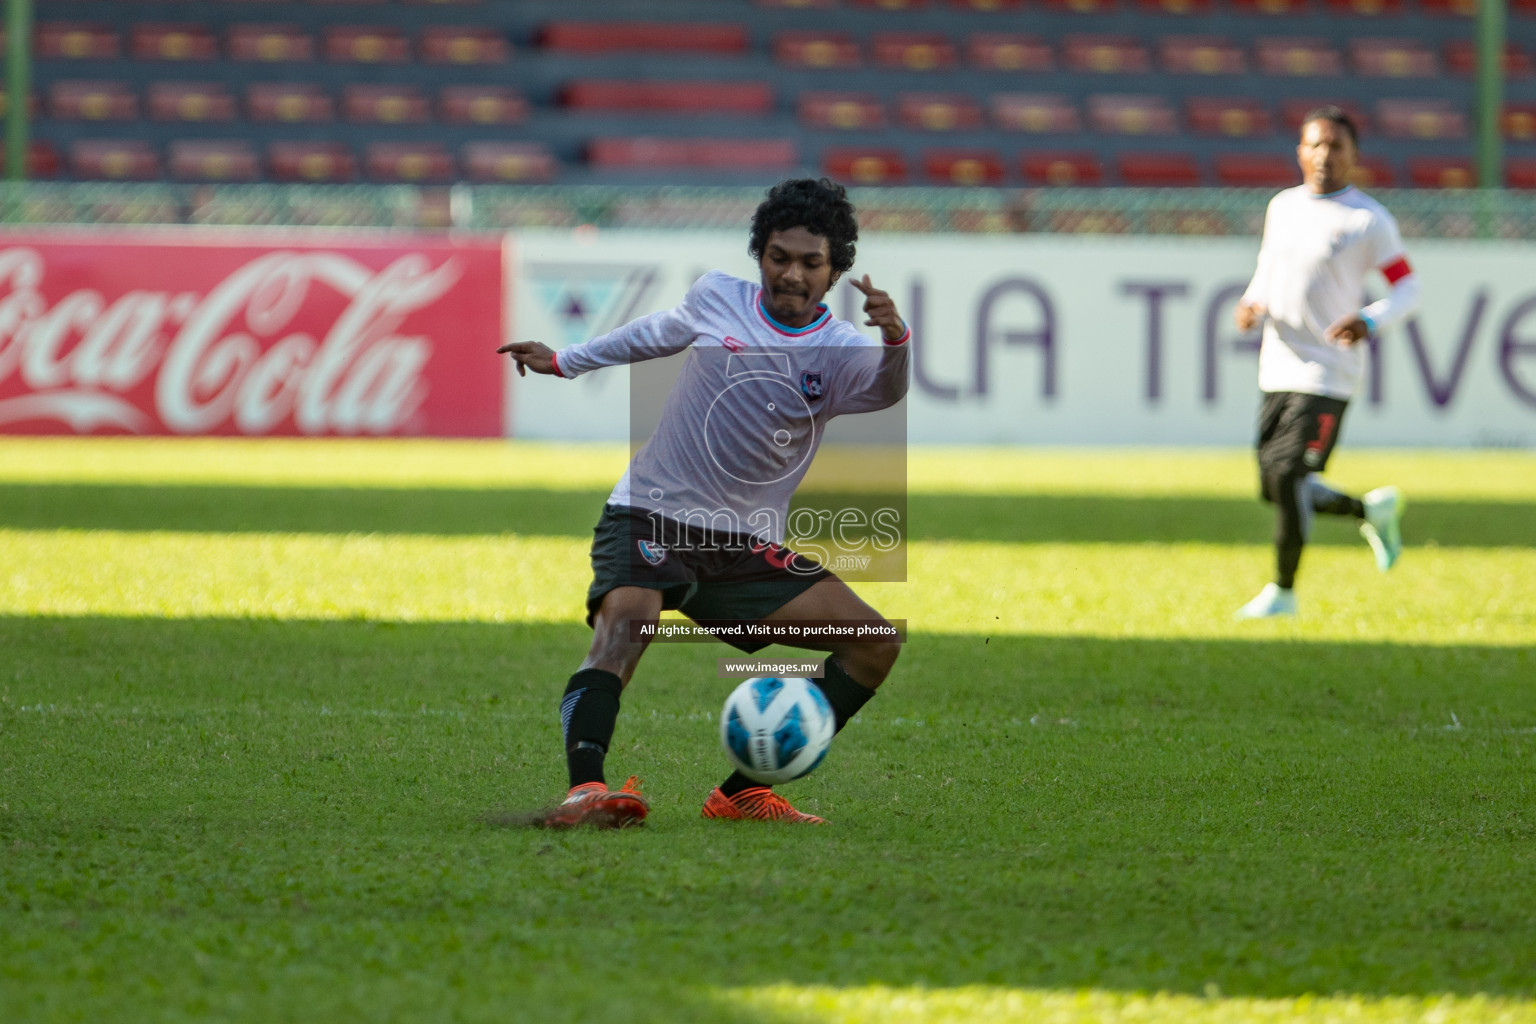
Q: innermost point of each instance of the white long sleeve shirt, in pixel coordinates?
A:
(744, 419)
(1313, 262)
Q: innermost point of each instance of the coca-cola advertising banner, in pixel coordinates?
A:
(184, 333)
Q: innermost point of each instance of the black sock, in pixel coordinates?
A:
(587, 715)
(845, 695)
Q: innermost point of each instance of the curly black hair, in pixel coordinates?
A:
(1329, 112)
(819, 206)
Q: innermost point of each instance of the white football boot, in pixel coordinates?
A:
(1271, 602)
(1382, 527)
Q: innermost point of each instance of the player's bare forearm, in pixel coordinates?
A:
(531, 355)
(880, 310)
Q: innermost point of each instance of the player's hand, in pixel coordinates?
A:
(530, 355)
(1347, 330)
(880, 308)
(1248, 314)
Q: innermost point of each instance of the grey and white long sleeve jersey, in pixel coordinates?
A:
(1313, 261)
(745, 417)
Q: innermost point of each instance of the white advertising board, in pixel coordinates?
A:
(1066, 340)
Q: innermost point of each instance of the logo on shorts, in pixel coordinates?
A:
(810, 384)
(653, 553)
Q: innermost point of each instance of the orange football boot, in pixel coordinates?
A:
(756, 804)
(593, 803)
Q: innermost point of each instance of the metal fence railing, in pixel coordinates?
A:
(1421, 213)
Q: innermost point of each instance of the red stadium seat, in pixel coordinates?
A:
(1061, 168)
(42, 159)
(366, 44)
(1256, 170)
(1456, 8)
(1082, 6)
(447, 44)
(481, 104)
(1392, 58)
(1175, 6)
(409, 162)
(269, 43)
(1367, 8)
(816, 50)
(75, 40)
(1039, 113)
(938, 112)
(113, 160)
(687, 97)
(797, 3)
(1106, 54)
(205, 160)
(515, 162)
(1441, 172)
(288, 101)
(321, 162)
(1273, 7)
(890, 5)
(648, 152)
(1519, 122)
(845, 111)
(1373, 172)
(1290, 55)
(1520, 173)
(1233, 118)
(1297, 107)
(1201, 55)
(1421, 119)
(384, 104)
(913, 51)
(1132, 115)
(72, 99)
(865, 166)
(963, 167)
(172, 41)
(1461, 59)
(1008, 51)
(642, 36)
(1158, 170)
(987, 5)
(190, 101)
(1523, 8)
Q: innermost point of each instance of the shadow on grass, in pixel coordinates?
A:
(1271, 817)
(1030, 518)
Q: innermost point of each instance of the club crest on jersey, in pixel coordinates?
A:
(652, 552)
(810, 384)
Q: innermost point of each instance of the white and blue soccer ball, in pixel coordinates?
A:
(776, 729)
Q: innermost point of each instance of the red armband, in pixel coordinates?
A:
(554, 360)
(1396, 270)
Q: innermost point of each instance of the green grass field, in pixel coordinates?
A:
(259, 699)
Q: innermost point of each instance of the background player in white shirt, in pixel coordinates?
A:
(765, 360)
(1320, 241)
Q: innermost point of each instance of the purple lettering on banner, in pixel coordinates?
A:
(1441, 394)
(1154, 291)
(1512, 347)
(1249, 342)
(1044, 335)
(919, 343)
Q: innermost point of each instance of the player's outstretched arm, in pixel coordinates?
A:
(531, 355)
(880, 308)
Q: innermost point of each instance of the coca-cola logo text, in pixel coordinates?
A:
(246, 355)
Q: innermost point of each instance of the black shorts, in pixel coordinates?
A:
(709, 578)
(1297, 432)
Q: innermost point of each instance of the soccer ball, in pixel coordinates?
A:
(776, 729)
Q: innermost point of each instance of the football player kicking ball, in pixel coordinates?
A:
(696, 523)
(1321, 238)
